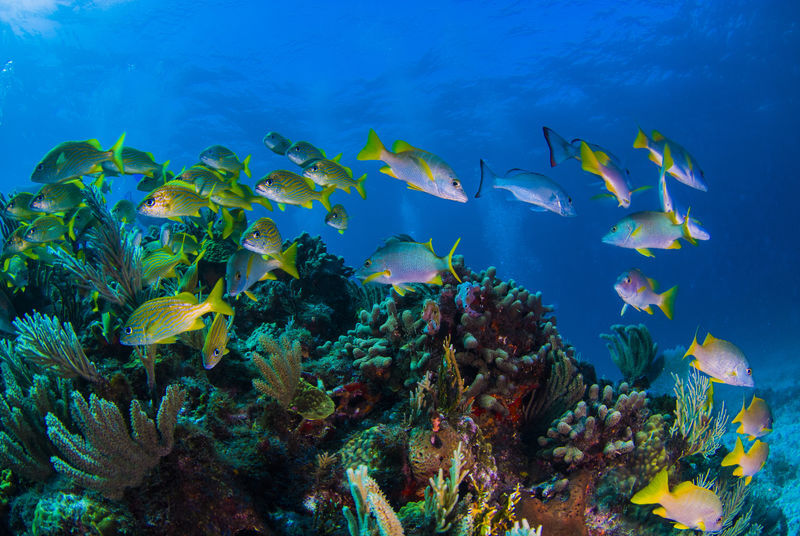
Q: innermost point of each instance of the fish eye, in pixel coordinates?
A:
(128, 331)
(269, 182)
(40, 167)
(614, 229)
(627, 279)
(749, 372)
(216, 352)
(237, 276)
(367, 262)
(256, 234)
(38, 198)
(456, 184)
(150, 202)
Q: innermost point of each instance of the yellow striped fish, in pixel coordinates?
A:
(329, 173)
(221, 158)
(173, 201)
(302, 153)
(161, 263)
(16, 243)
(245, 199)
(207, 181)
(232, 224)
(58, 197)
(216, 343)
(161, 320)
(45, 229)
(287, 188)
(276, 143)
(136, 162)
(262, 237)
(80, 220)
(18, 206)
(71, 159)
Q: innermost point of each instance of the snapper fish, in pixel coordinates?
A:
(723, 361)
(688, 505)
(614, 177)
(44, 229)
(748, 463)
(72, 159)
(337, 218)
(330, 173)
(540, 191)
(562, 150)
(216, 343)
(174, 200)
(672, 158)
(645, 230)
(401, 261)
(18, 207)
(756, 420)
(136, 162)
(287, 188)
(303, 153)
(161, 320)
(638, 291)
(221, 158)
(57, 197)
(421, 170)
(161, 263)
(669, 204)
(246, 268)
(276, 143)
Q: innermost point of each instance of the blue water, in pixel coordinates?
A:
(465, 80)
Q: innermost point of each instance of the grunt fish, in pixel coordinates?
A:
(174, 200)
(72, 159)
(329, 173)
(57, 197)
(287, 188)
(216, 343)
(221, 158)
(303, 153)
(338, 218)
(276, 143)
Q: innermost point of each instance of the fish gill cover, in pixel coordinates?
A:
(341, 269)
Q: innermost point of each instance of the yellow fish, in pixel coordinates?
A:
(688, 505)
(216, 342)
(756, 420)
(748, 463)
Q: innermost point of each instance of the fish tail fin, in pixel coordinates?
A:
(485, 170)
(686, 230)
(164, 167)
(325, 195)
(214, 300)
(246, 164)
(360, 186)
(228, 219)
(560, 149)
(70, 229)
(694, 346)
(589, 161)
(733, 457)
(116, 153)
(450, 260)
(666, 160)
(97, 183)
(288, 260)
(374, 148)
(264, 202)
(655, 491)
(667, 303)
(641, 140)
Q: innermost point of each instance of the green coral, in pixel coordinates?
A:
(66, 513)
(633, 351)
(696, 425)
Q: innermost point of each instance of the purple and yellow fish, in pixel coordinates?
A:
(245, 268)
(748, 463)
(722, 360)
(161, 320)
(756, 420)
(647, 230)
(72, 159)
(401, 261)
(673, 158)
(638, 291)
(688, 505)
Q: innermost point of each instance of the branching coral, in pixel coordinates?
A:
(113, 266)
(370, 503)
(441, 497)
(632, 349)
(695, 423)
(106, 458)
(561, 390)
(48, 343)
(282, 372)
(599, 431)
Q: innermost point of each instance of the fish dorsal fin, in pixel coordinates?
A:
(602, 157)
(94, 143)
(188, 297)
(517, 171)
(710, 339)
(682, 489)
(657, 136)
(337, 158)
(150, 156)
(348, 171)
(653, 283)
(399, 238)
(177, 183)
(388, 171)
(429, 245)
(400, 146)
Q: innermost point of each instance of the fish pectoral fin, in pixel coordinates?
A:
(426, 168)
(376, 275)
(647, 310)
(435, 280)
(198, 324)
(388, 171)
(641, 289)
(679, 526)
(644, 251)
(415, 187)
(660, 511)
(268, 275)
(250, 295)
(624, 308)
(168, 340)
(674, 245)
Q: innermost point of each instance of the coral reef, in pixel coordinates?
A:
(632, 349)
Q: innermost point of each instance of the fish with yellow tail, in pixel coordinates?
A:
(276, 143)
(19, 207)
(288, 188)
(688, 505)
(562, 150)
(246, 268)
(338, 218)
(638, 291)
(303, 153)
(44, 229)
(672, 158)
(216, 343)
(262, 237)
(748, 463)
(72, 159)
(161, 320)
(174, 200)
(223, 159)
(329, 173)
(58, 197)
(756, 420)
(136, 162)
(615, 177)
(648, 230)
(723, 361)
(161, 263)
(421, 170)
(401, 261)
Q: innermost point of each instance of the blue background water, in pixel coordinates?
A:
(466, 80)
